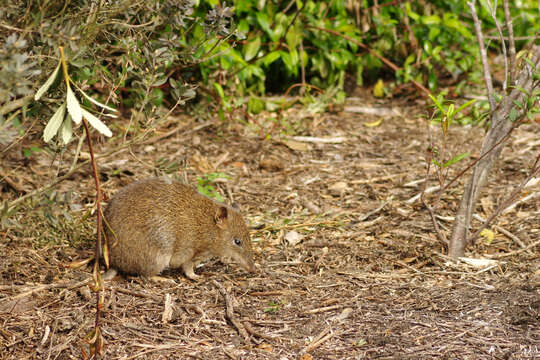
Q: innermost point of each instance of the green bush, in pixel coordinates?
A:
(429, 41)
(145, 55)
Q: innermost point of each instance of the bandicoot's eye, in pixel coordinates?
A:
(237, 242)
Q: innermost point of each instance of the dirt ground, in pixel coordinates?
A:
(349, 264)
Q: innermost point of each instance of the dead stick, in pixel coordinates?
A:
(44, 287)
(319, 340)
(256, 333)
(229, 312)
(512, 253)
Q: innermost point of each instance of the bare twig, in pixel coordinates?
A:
(375, 211)
(505, 203)
(501, 126)
(256, 333)
(504, 231)
(483, 55)
(493, 12)
(15, 104)
(512, 253)
(511, 42)
(97, 250)
(431, 210)
(229, 312)
(43, 287)
(525, 199)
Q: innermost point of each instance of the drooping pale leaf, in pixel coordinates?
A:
(54, 123)
(66, 131)
(95, 102)
(43, 89)
(96, 123)
(74, 109)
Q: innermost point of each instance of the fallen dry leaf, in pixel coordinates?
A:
(271, 165)
(296, 145)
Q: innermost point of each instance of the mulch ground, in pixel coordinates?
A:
(349, 266)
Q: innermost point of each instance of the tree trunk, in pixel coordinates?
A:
(501, 125)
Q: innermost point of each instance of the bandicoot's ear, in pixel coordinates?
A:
(235, 206)
(221, 217)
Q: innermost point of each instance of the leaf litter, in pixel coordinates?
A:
(349, 268)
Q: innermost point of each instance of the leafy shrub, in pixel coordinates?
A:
(129, 53)
(429, 41)
(144, 55)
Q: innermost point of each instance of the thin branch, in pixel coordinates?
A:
(483, 55)
(493, 12)
(293, 19)
(504, 204)
(511, 42)
(431, 210)
(504, 138)
(229, 311)
(97, 278)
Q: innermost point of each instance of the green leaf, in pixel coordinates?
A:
(292, 38)
(466, 105)
(252, 48)
(456, 159)
(513, 114)
(255, 105)
(433, 33)
(96, 123)
(74, 109)
(54, 123)
(220, 91)
(264, 22)
(450, 112)
(43, 89)
(66, 131)
(286, 58)
(436, 102)
(431, 20)
(271, 57)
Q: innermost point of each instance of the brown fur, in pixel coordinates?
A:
(159, 223)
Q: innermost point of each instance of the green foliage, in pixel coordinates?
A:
(428, 41)
(446, 114)
(16, 71)
(273, 307)
(117, 51)
(146, 55)
(205, 184)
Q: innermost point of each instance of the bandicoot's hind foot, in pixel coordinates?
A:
(109, 274)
